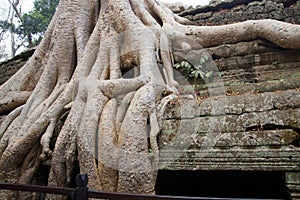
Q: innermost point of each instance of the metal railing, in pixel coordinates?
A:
(81, 192)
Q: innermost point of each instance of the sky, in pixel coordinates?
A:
(28, 4)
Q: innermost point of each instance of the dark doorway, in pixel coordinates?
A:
(222, 184)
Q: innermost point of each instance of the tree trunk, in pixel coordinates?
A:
(110, 123)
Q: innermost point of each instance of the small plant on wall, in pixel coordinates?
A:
(203, 69)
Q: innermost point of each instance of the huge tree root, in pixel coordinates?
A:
(111, 122)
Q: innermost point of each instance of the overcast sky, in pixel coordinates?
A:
(28, 4)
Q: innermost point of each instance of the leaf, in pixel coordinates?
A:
(209, 74)
(201, 67)
(202, 74)
(197, 74)
(177, 65)
(202, 60)
(187, 65)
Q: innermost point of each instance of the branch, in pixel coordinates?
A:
(283, 34)
(28, 34)
(14, 5)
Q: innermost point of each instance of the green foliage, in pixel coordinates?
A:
(6, 26)
(31, 26)
(37, 20)
(202, 69)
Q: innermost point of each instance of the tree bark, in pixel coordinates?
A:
(76, 76)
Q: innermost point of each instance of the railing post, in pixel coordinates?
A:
(81, 191)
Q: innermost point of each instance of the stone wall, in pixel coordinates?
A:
(10, 67)
(240, 10)
(255, 75)
(249, 118)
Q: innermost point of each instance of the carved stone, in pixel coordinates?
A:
(256, 125)
(293, 184)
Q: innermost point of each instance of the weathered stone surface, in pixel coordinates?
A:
(255, 66)
(293, 184)
(261, 159)
(243, 122)
(261, 69)
(245, 132)
(240, 10)
(249, 139)
(235, 105)
(267, 86)
(251, 60)
(193, 132)
(201, 16)
(10, 67)
(258, 138)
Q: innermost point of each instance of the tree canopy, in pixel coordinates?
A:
(31, 26)
(37, 20)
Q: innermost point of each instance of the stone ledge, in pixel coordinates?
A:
(232, 123)
(247, 103)
(260, 159)
(9, 67)
(215, 7)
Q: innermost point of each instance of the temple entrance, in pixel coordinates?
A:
(222, 184)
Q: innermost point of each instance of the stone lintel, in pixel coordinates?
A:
(257, 159)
